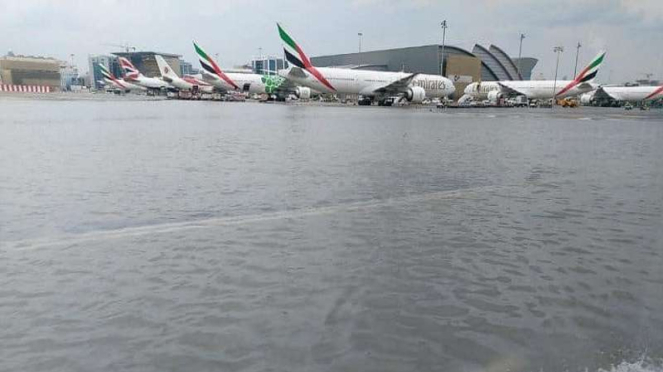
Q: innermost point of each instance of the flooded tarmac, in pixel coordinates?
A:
(204, 236)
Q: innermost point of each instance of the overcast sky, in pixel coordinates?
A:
(631, 30)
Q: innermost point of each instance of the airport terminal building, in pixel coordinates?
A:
(525, 65)
(30, 71)
(461, 66)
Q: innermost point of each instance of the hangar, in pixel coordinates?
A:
(461, 66)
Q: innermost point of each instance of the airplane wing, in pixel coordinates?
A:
(511, 91)
(600, 93)
(398, 86)
(282, 85)
(285, 86)
(297, 72)
(586, 86)
(210, 79)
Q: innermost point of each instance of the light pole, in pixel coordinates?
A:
(558, 50)
(360, 35)
(520, 53)
(444, 36)
(575, 69)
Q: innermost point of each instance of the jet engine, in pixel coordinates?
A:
(465, 99)
(587, 98)
(415, 94)
(303, 92)
(494, 96)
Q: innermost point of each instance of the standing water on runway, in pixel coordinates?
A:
(172, 235)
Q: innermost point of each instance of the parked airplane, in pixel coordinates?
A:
(372, 85)
(132, 75)
(186, 83)
(623, 94)
(197, 80)
(246, 82)
(110, 79)
(538, 89)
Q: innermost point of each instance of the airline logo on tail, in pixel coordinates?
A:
(209, 65)
(129, 69)
(104, 71)
(655, 93)
(167, 72)
(108, 75)
(587, 74)
(295, 55)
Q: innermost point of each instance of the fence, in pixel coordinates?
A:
(25, 88)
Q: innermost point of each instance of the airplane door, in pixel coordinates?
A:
(246, 87)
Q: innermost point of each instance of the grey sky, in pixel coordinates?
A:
(631, 30)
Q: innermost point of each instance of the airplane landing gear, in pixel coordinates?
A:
(386, 102)
(365, 101)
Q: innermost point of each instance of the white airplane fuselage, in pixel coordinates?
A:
(123, 85)
(184, 83)
(149, 83)
(633, 94)
(197, 80)
(532, 89)
(188, 83)
(364, 82)
(251, 83)
(178, 83)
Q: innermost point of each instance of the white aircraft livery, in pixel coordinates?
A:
(538, 89)
(132, 75)
(624, 94)
(246, 82)
(379, 85)
(186, 83)
(197, 80)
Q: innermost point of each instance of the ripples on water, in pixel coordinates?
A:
(169, 236)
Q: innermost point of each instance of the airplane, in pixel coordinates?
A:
(538, 89)
(624, 94)
(246, 82)
(132, 75)
(121, 84)
(186, 83)
(381, 86)
(197, 80)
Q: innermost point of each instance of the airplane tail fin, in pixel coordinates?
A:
(164, 68)
(110, 77)
(296, 56)
(293, 52)
(104, 71)
(587, 74)
(658, 91)
(130, 71)
(591, 70)
(209, 65)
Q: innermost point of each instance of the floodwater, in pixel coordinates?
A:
(201, 236)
